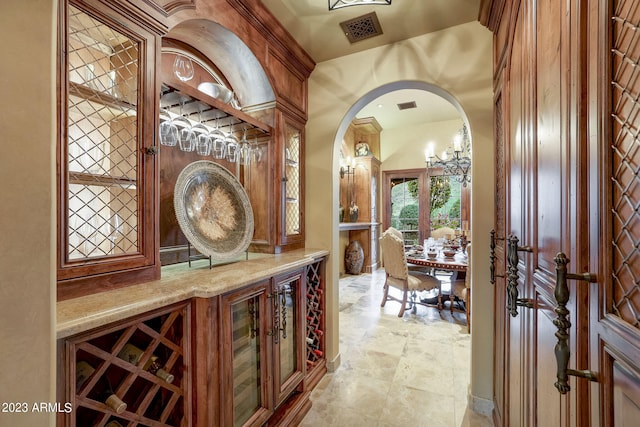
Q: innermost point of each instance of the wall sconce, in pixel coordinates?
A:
(348, 167)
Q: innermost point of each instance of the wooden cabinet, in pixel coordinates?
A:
(315, 323)
(246, 328)
(250, 356)
(111, 374)
(106, 163)
(367, 188)
(263, 327)
(290, 152)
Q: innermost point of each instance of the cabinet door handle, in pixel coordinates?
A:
(153, 150)
(562, 323)
(513, 302)
(276, 315)
(283, 312)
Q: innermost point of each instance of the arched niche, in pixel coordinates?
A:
(232, 57)
(391, 87)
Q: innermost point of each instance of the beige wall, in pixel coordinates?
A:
(404, 148)
(457, 60)
(27, 171)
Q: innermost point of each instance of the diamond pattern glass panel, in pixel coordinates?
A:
(292, 213)
(102, 162)
(625, 163)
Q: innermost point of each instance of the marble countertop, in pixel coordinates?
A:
(177, 283)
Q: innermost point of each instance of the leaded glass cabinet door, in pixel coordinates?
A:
(106, 163)
(288, 336)
(246, 323)
(292, 190)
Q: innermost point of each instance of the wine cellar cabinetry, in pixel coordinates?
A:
(263, 325)
(315, 323)
(133, 373)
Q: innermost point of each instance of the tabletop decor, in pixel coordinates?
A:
(213, 210)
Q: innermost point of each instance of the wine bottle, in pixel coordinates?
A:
(102, 389)
(83, 372)
(132, 354)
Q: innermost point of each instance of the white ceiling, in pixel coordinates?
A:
(318, 31)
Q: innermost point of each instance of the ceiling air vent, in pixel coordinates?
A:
(407, 105)
(362, 27)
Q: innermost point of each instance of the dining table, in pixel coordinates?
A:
(457, 265)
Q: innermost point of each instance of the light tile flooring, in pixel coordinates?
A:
(410, 371)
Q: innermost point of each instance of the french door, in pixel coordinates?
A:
(567, 326)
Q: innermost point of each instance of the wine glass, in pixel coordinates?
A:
(168, 130)
(218, 143)
(183, 68)
(256, 151)
(113, 230)
(232, 147)
(187, 138)
(203, 141)
(244, 150)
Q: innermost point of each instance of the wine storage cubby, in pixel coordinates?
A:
(134, 373)
(315, 345)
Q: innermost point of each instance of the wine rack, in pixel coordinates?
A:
(121, 363)
(315, 320)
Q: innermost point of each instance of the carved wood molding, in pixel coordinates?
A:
(490, 13)
(275, 34)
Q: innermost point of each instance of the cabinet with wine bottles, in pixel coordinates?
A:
(137, 371)
(315, 323)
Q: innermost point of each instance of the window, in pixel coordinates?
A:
(445, 200)
(417, 203)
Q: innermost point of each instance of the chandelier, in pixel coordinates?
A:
(337, 4)
(455, 161)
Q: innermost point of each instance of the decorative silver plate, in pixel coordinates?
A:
(213, 210)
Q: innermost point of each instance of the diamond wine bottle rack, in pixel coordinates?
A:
(315, 317)
(163, 337)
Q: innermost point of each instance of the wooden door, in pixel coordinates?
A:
(246, 393)
(614, 175)
(567, 126)
(288, 335)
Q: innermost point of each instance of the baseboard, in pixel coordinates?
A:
(333, 365)
(480, 405)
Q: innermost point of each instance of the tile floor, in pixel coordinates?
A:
(410, 371)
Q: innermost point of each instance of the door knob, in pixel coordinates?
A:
(562, 322)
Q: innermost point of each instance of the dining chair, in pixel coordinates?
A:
(442, 232)
(398, 276)
(462, 291)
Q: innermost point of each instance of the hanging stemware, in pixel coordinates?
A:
(187, 141)
(256, 151)
(232, 146)
(168, 130)
(244, 150)
(218, 143)
(203, 141)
